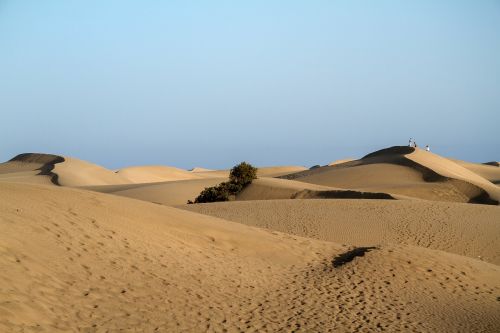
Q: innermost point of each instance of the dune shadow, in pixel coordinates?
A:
(349, 256)
(48, 162)
(341, 194)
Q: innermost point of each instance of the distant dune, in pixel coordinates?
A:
(30, 168)
(406, 171)
(489, 170)
(398, 172)
(76, 260)
(59, 170)
(344, 160)
(155, 173)
(167, 193)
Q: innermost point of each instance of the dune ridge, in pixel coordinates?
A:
(406, 171)
(31, 168)
(155, 174)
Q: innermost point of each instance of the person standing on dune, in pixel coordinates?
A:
(427, 148)
(409, 142)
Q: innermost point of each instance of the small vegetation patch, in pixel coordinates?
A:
(349, 256)
(240, 176)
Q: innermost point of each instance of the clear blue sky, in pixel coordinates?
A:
(211, 83)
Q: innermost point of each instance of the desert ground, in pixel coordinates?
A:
(399, 240)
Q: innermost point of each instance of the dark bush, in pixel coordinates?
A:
(213, 194)
(239, 177)
(242, 174)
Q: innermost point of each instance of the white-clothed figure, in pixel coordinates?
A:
(409, 142)
(427, 148)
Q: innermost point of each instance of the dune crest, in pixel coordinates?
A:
(31, 168)
(406, 171)
(155, 173)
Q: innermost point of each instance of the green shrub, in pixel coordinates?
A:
(213, 194)
(239, 177)
(242, 174)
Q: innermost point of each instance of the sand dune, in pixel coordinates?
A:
(167, 193)
(30, 168)
(468, 230)
(341, 161)
(450, 169)
(65, 171)
(274, 188)
(75, 172)
(405, 171)
(199, 169)
(276, 171)
(155, 173)
(273, 171)
(490, 172)
(79, 260)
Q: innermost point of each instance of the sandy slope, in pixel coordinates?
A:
(75, 172)
(29, 168)
(341, 161)
(266, 188)
(273, 188)
(396, 172)
(167, 193)
(155, 173)
(489, 172)
(469, 230)
(405, 171)
(448, 168)
(77, 260)
(61, 170)
(273, 171)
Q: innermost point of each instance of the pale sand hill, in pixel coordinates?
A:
(60, 170)
(274, 188)
(487, 171)
(274, 171)
(405, 171)
(77, 260)
(155, 173)
(179, 192)
(387, 178)
(30, 168)
(199, 169)
(75, 172)
(450, 169)
(341, 161)
(468, 230)
(167, 193)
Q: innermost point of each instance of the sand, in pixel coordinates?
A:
(166, 193)
(406, 171)
(489, 172)
(464, 229)
(85, 248)
(80, 260)
(155, 173)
